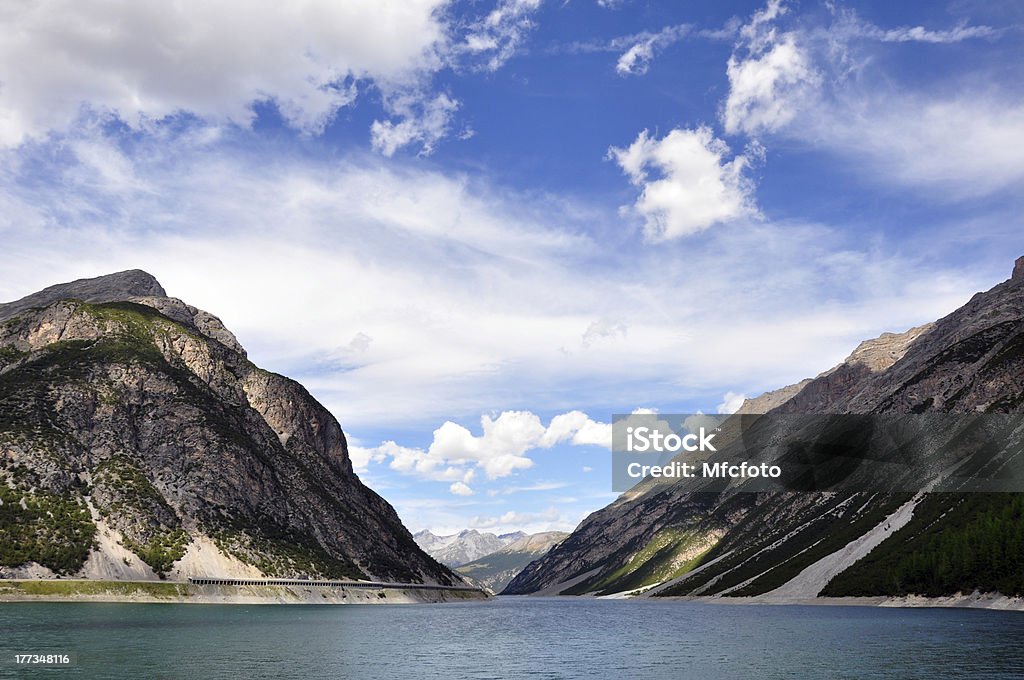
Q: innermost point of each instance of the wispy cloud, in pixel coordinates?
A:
(495, 38)
(807, 83)
(539, 486)
(636, 59)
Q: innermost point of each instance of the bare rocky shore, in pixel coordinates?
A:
(183, 592)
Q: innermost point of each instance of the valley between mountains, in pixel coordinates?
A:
(139, 443)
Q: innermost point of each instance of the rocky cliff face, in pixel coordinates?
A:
(806, 544)
(131, 419)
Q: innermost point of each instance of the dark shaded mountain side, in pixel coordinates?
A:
(143, 416)
(806, 544)
(954, 543)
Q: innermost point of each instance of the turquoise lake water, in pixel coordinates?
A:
(512, 638)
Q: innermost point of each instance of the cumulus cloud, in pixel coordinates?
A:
(577, 428)
(731, 402)
(461, 489)
(769, 73)
(143, 60)
(456, 453)
(697, 186)
(637, 57)
(414, 461)
(362, 457)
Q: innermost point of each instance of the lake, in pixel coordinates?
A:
(512, 638)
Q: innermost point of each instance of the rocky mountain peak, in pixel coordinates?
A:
(1018, 270)
(133, 285)
(125, 285)
(882, 352)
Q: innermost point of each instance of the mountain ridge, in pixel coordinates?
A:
(455, 550)
(971, 360)
(494, 571)
(131, 421)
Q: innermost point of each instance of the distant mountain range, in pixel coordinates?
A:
(668, 541)
(487, 559)
(454, 550)
(137, 440)
(494, 571)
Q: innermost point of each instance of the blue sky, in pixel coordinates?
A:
(476, 230)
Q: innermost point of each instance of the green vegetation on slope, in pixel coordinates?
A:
(162, 542)
(72, 588)
(954, 543)
(670, 553)
(55, 531)
(277, 551)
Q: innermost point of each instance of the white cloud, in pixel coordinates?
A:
(549, 519)
(361, 457)
(415, 461)
(965, 142)
(920, 34)
(847, 26)
(539, 486)
(142, 60)
(461, 489)
(637, 57)
(603, 329)
(731, 402)
(966, 145)
(470, 293)
(360, 342)
(587, 468)
(456, 453)
(769, 74)
(498, 36)
(423, 121)
(578, 428)
(697, 187)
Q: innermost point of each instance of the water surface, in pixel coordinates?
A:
(512, 638)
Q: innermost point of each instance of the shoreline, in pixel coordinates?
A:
(179, 592)
(991, 601)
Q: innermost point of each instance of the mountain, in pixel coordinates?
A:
(799, 545)
(494, 571)
(136, 440)
(454, 550)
